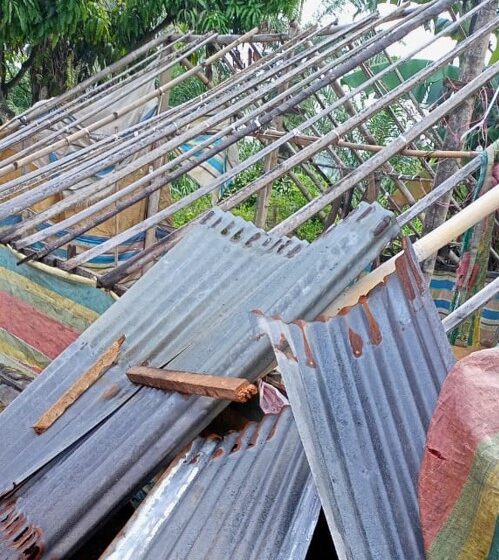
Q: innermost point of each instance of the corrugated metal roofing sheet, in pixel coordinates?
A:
(192, 312)
(362, 387)
(248, 496)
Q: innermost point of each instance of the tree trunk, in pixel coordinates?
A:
(471, 65)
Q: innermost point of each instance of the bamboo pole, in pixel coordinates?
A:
(404, 12)
(459, 315)
(11, 164)
(427, 245)
(131, 266)
(305, 140)
(472, 61)
(59, 183)
(81, 102)
(33, 112)
(358, 25)
(110, 96)
(392, 149)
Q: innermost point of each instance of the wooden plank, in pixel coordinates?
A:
(98, 368)
(234, 389)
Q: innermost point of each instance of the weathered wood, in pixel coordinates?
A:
(69, 397)
(235, 389)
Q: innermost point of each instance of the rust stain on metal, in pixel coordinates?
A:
(374, 331)
(310, 360)
(404, 277)
(342, 312)
(235, 389)
(366, 212)
(106, 360)
(218, 453)
(21, 536)
(382, 226)
(355, 342)
(284, 347)
(411, 263)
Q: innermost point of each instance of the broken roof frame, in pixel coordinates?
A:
(214, 277)
(301, 68)
(363, 386)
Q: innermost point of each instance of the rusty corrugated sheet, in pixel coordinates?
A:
(362, 387)
(248, 496)
(192, 312)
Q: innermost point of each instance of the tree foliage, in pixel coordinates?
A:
(59, 42)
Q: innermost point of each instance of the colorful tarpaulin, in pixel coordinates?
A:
(42, 311)
(459, 478)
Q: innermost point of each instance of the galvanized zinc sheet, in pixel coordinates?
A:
(362, 387)
(191, 311)
(248, 496)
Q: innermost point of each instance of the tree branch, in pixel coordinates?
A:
(25, 66)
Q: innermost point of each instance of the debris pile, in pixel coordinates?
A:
(245, 377)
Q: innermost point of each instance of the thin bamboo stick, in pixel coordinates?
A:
(389, 151)
(173, 127)
(305, 140)
(12, 163)
(33, 112)
(58, 185)
(359, 24)
(436, 193)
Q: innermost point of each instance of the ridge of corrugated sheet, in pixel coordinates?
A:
(192, 312)
(248, 496)
(363, 386)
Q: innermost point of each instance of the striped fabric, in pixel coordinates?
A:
(42, 312)
(125, 251)
(459, 478)
(442, 291)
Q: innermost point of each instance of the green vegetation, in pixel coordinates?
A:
(46, 46)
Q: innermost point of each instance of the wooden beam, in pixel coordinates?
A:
(234, 389)
(98, 368)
